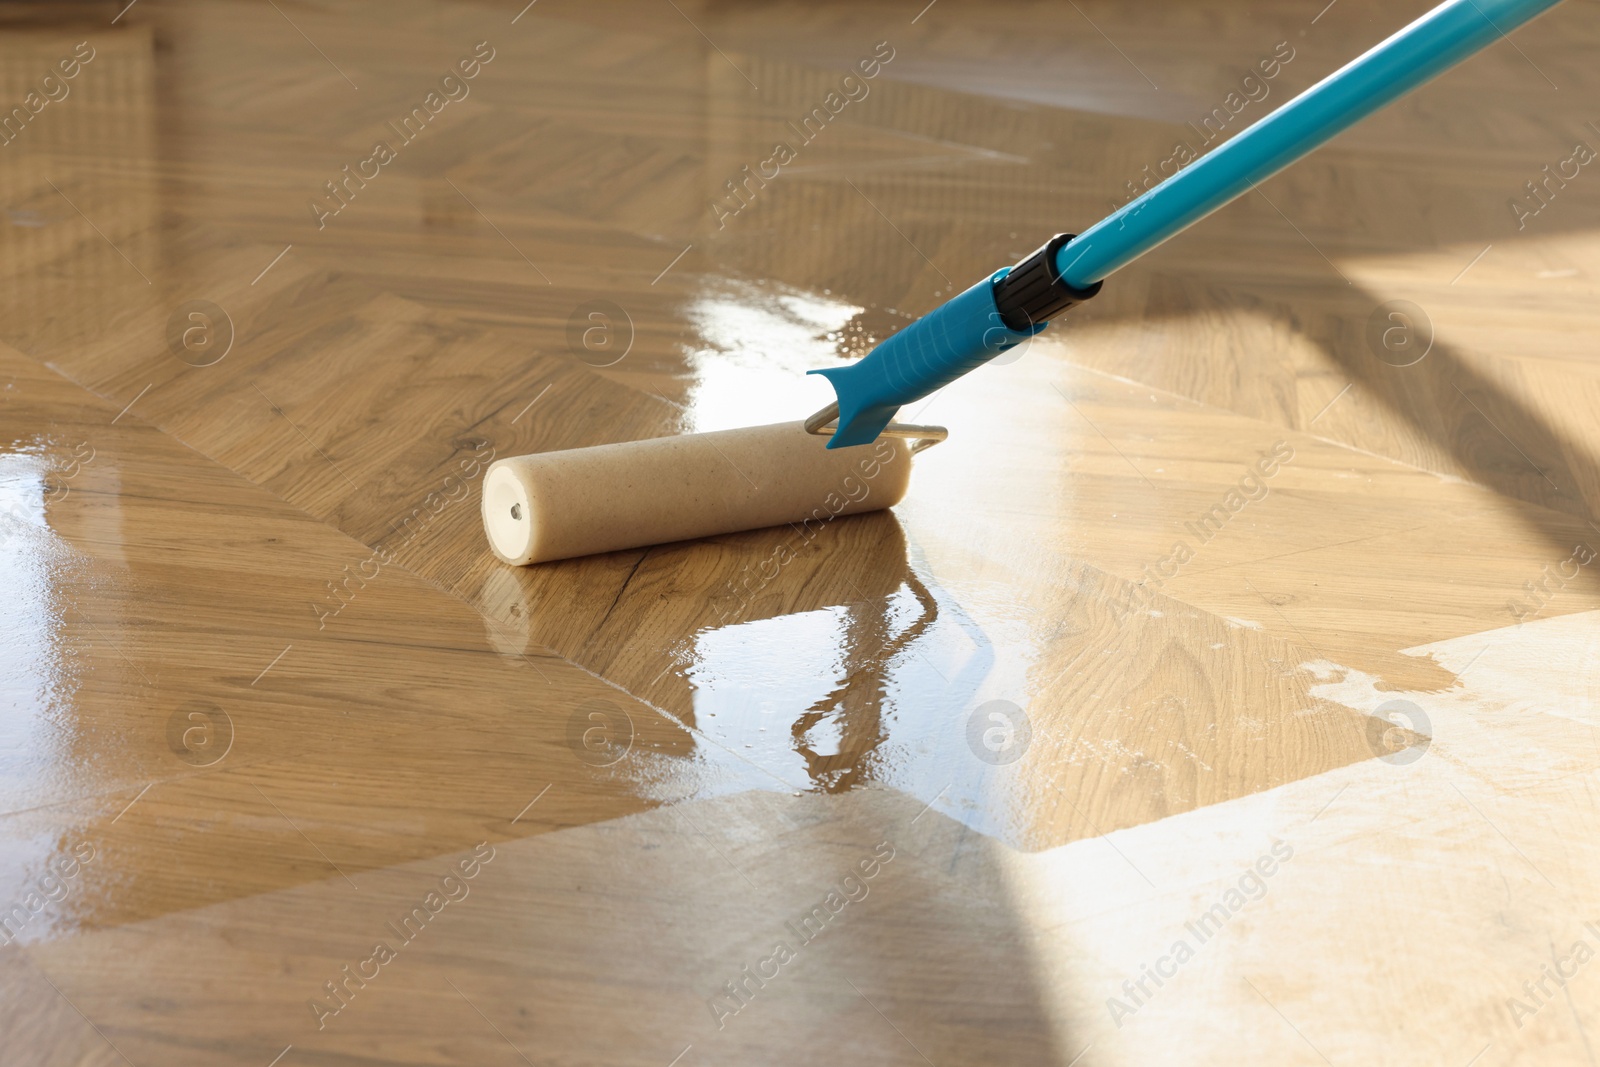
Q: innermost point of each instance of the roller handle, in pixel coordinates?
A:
(995, 315)
(1417, 53)
(1012, 305)
(1034, 291)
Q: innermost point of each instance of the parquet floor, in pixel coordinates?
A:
(1225, 690)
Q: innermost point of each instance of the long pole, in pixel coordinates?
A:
(1429, 46)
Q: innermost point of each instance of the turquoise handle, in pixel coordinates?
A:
(967, 331)
(954, 338)
(1429, 46)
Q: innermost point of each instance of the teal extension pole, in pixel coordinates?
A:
(1015, 303)
(1423, 50)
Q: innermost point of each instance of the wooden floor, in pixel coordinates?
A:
(1224, 691)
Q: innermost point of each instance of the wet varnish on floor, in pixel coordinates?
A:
(1225, 689)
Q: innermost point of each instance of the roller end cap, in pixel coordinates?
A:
(507, 516)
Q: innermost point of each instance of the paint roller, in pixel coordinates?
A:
(557, 505)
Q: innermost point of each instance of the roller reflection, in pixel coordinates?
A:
(803, 692)
(840, 672)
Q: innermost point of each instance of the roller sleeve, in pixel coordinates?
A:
(556, 505)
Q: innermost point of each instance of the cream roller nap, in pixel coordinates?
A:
(556, 505)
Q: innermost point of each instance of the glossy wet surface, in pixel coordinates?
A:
(1218, 597)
